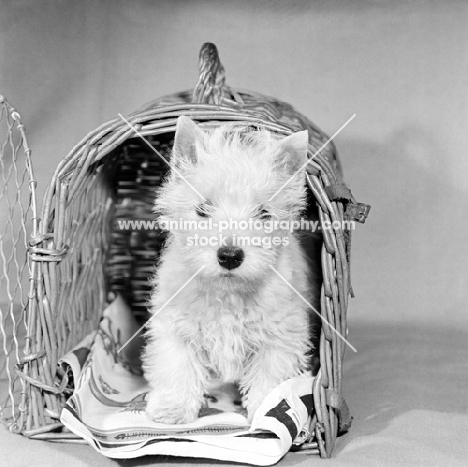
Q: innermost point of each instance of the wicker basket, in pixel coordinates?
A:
(77, 254)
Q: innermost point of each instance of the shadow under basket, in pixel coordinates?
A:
(81, 246)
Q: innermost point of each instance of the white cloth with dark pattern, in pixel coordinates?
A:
(107, 407)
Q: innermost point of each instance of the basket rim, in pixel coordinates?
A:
(156, 117)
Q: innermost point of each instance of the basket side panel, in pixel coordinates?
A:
(71, 286)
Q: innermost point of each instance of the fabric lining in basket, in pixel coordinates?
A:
(107, 407)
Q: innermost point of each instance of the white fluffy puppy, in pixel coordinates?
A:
(220, 307)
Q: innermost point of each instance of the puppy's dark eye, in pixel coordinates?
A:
(263, 214)
(203, 210)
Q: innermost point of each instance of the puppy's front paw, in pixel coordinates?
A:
(253, 400)
(171, 409)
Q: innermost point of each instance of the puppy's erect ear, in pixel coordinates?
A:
(186, 135)
(294, 151)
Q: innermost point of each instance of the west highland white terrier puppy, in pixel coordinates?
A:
(223, 308)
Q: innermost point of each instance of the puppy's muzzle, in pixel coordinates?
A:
(230, 257)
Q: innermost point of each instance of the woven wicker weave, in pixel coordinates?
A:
(77, 253)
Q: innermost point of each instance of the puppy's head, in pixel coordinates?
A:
(230, 197)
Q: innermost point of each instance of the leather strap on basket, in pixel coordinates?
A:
(337, 401)
(353, 211)
(209, 87)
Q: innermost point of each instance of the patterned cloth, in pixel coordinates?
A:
(107, 408)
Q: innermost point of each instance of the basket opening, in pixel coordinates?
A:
(134, 252)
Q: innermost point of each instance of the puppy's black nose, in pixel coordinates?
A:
(230, 257)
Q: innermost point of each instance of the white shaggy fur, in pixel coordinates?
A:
(244, 325)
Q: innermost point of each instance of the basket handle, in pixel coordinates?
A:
(209, 87)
